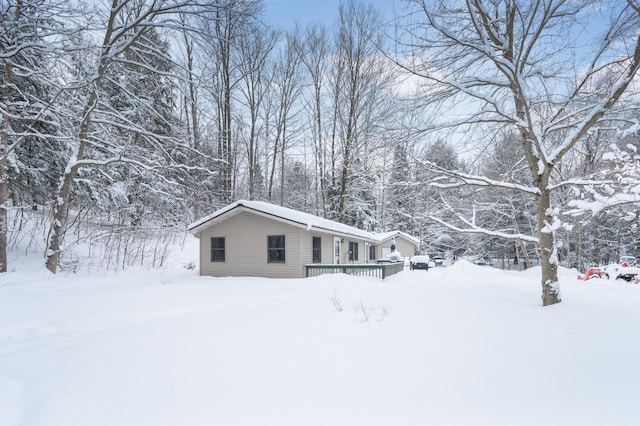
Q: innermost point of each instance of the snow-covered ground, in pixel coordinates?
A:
(462, 345)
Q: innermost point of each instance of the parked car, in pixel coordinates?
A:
(438, 260)
(482, 262)
(419, 262)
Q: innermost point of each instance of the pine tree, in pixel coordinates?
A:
(29, 127)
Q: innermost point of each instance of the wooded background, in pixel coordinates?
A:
(132, 118)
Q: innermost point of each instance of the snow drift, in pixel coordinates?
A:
(463, 345)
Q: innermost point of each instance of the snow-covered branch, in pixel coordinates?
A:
(466, 179)
(580, 182)
(486, 232)
(602, 202)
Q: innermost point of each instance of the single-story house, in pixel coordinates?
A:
(255, 238)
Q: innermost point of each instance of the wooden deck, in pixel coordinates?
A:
(380, 270)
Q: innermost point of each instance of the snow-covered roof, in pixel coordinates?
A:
(383, 236)
(283, 213)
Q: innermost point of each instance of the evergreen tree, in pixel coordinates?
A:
(29, 120)
(400, 202)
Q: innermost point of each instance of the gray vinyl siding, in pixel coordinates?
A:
(327, 249)
(404, 246)
(306, 248)
(246, 253)
(246, 248)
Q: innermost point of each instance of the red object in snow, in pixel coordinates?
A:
(593, 272)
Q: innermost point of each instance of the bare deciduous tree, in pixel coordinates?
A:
(29, 33)
(361, 82)
(525, 66)
(315, 57)
(255, 48)
(286, 87)
(127, 26)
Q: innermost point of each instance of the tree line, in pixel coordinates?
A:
(487, 128)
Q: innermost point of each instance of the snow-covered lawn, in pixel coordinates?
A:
(463, 345)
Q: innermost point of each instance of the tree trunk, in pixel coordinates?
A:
(548, 255)
(4, 172)
(61, 201)
(274, 161)
(284, 133)
(192, 109)
(60, 215)
(525, 254)
(594, 241)
(251, 151)
(224, 32)
(320, 153)
(344, 177)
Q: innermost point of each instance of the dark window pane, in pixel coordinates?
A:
(317, 250)
(217, 249)
(275, 248)
(276, 241)
(217, 256)
(276, 256)
(353, 250)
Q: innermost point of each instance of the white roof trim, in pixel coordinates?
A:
(383, 236)
(307, 220)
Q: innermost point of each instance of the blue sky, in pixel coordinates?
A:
(284, 13)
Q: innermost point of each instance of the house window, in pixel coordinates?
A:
(353, 251)
(317, 250)
(372, 252)
(275, 247)
(217, 249)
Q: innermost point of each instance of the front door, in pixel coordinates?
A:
(336, 250)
